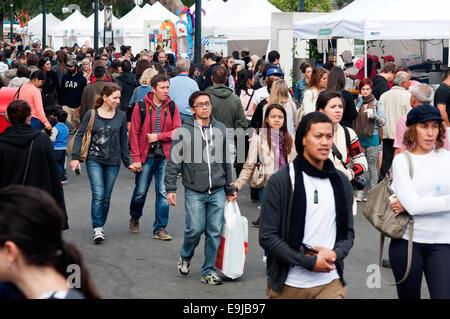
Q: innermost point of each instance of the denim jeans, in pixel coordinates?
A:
(204, 214)
(60, 156)
(156, 167)
(102, 178)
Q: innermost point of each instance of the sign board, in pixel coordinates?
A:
(218, 45)
(324, 34)
(108, 18)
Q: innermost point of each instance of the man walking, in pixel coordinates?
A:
(127, 81)
(182, 87)
(381, 81)
(210, 65)
(92, 90)
(442, 98)
(396, 102)
(72, 86)
(150, 139)
(206, 179)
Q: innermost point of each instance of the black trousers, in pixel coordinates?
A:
(433, 260)
(388, 157)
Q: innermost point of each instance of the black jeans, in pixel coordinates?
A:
(60, 156)
(431, 259)
(388, 157)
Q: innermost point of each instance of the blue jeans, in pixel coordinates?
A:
(34, 122)
(156, 167)
(204, 214)
(102, 178)
(60, 156)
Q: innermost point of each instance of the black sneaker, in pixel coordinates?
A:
(134, 225)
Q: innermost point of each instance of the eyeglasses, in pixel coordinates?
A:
(200, 104)
(104, 59)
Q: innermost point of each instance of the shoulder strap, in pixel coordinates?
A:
(135, 96)
(16, 95)
(91, 121)
(28, 162)
(293, 114)
(250, 100)
(347, 137)
(171, 108)
(142, 111)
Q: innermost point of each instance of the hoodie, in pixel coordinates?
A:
(42, 170)
(200, 154)
(9, 75)
(127, 81)
(18, 82)
(227, 107)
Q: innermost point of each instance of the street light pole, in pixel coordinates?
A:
(11, 18)
(198, 33)
(301, 5)
(44, 24)
(96, 26)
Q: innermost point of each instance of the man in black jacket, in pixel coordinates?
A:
(128, 83)
(381, 81)
(210, 65)
(306, 224)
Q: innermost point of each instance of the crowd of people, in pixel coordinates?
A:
(309, 155)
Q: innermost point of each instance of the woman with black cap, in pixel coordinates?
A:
(426, 197)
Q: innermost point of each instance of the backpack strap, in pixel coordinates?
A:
(142, 111)
(172, 108)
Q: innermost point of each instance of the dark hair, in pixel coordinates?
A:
(107, 90)
(328, 65)
(91, 51)
(126, 66)
(61, 115)
(33, 59)
(23, 71)
(336, 79)
(235, 55)
(325, 96)
(219, 75)
(18, 111)
(316, 76)
(99, 71)
(42, 62)
(114, 66)
(40, 75)
(158, 67)
(233, 70)
(273, 55)
(141, 67)
(157, 79)
(241, 83)
(304, 66)
(388, 67)
(211, 55)
(364, 82)
(287, 144)
(104, 55)
(33, 221)
(305, 125)
(403, 68)
(195, 95)
(192, 68)
(446, 73)
(171, 58)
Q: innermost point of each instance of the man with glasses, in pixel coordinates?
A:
(105, 60)
(206, 179)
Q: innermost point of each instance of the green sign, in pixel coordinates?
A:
(324, 32)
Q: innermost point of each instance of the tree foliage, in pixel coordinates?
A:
(341, 3)
(310, 5)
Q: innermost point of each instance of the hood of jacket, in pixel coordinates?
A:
(17, 82)
(149, 99)
(11, 73)
(190, 122)
(127, 77)
(19, 134)
(220, 90)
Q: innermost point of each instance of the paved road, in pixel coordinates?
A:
(129, 265)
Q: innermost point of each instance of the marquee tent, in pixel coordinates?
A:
(382, 20)
(64, 33)
(240, 20)
(209, 6)
(35, 25)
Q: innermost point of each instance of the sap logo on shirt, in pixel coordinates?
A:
(71, 84)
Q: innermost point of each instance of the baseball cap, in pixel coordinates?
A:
(72, 63)
(273, 71)
(388, 58)
(423, 113)
(347, 56)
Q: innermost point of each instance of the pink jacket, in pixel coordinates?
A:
(32, 95)
(138, 137)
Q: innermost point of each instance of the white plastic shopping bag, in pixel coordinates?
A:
(233, 247)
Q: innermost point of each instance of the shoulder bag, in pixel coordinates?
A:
(258, 177)
(380, 214)
(85, 141)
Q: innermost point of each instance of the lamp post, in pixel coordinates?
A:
(198, 33)
(44, 24)
(11, 18)
(301, 5)
(96, 25)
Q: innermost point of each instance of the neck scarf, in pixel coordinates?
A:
(298, 211)
(363, 125)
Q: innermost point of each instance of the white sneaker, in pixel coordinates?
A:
(99, 234)
(359, 196)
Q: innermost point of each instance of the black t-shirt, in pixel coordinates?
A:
(442, 96)
(380, 85)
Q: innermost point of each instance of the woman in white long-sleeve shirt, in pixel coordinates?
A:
(317, 83)
(426, 197)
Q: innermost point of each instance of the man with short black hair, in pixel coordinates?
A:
(274, 58)
(442, 98)
(128, 83)
(150, 139)
(162, 59)
(381, 81)
(210, 63)
(92, 90)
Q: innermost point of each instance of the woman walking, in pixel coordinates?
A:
(244, 89)
(317, 83)
(279, 94)
(108, 147)
(302, 85)
(426, 197)
(51, 88)
(367, 125)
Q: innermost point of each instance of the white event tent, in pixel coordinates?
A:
(240, 20)
(382, 20)
(209, 6)
(85, 32)
(35, 25)
(66, 30)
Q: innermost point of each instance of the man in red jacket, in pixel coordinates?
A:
(150, 141)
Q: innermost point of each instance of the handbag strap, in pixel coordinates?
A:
(248, 104)
(91, 122)
(410, 235)
(28, 162)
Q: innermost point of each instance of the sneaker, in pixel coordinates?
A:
(99, 234)
(134, 225)
(359, 196)
(184, 266)
(162, 235)
(212, 279)
(256, 222)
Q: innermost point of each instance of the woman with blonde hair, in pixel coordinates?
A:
(317, 83)
(107, 149)
(279, 94)
(86, 68)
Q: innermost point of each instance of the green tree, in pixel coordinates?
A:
(310, 5)
(341, 3)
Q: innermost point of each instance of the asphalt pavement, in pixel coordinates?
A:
(134, 265)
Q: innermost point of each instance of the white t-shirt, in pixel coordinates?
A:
(320, 229)
(426, 196)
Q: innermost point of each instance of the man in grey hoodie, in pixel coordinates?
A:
(199, 152)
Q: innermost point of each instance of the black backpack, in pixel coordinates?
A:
(143, 113)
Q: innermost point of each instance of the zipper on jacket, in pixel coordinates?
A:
(205, 138)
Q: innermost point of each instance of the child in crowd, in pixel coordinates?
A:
(60, 137)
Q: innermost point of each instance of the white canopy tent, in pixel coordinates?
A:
(35, 25)
(65, 31)
(382, 20)
(240, 20)
(209, 6)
